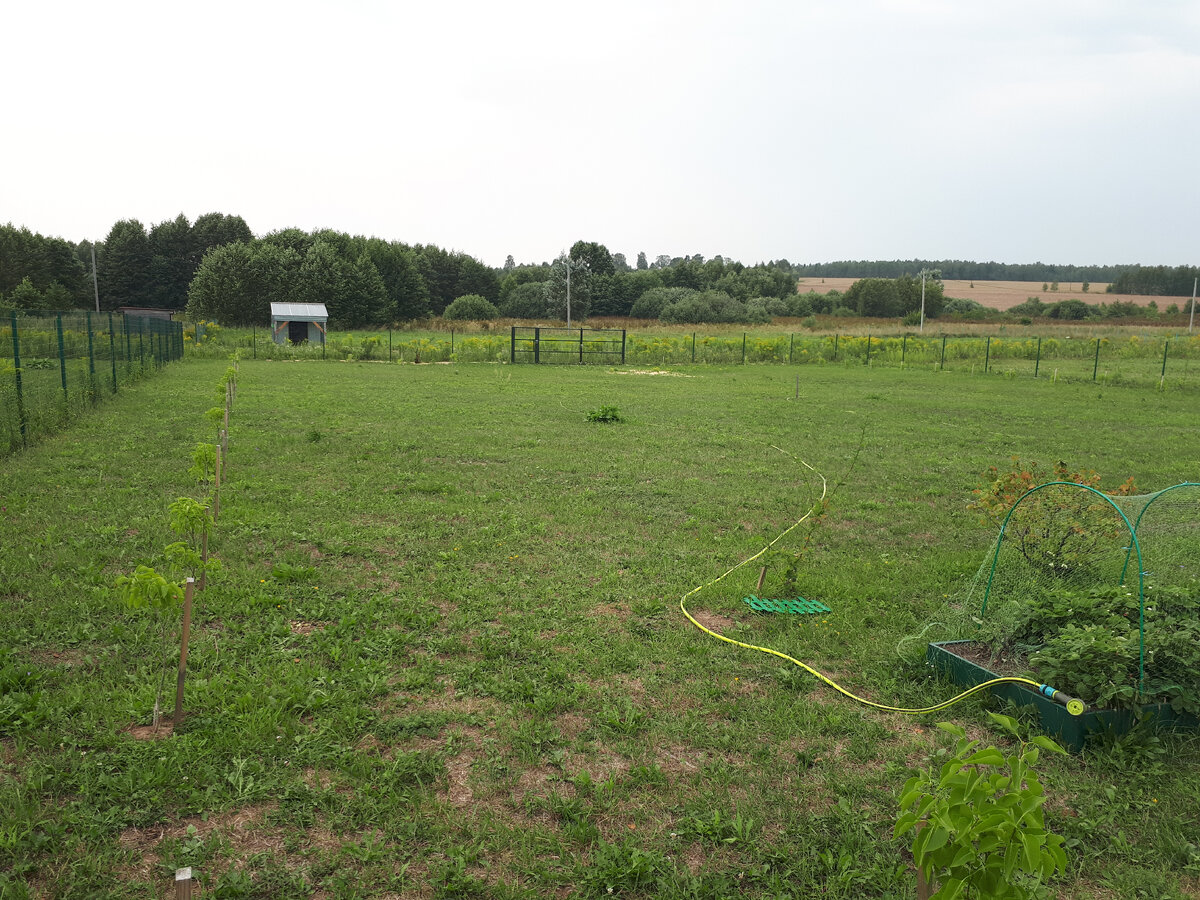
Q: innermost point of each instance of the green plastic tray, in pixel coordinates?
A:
(1071, 731)
(796, 607)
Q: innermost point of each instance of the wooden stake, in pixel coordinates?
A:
(762, 574)
(183, 883)
(183, 650)
(203, 560)
(217, 485)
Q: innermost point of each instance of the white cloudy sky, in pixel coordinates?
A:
(1060, 130)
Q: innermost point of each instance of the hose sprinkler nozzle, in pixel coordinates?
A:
(1074, 705)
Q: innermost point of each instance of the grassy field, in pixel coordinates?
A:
(444, 655)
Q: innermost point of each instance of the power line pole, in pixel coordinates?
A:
(1192, 317)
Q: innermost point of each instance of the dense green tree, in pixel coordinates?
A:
(569, 280)
(471, 307)
(641, 260)
(407, 293)
(620, 263)
(45, 261)
(873, 297)
(292, 239)
(651, 303)
(124, 267)
(596, 256)
(236, 283)
(509, 264)
(25, 296)
(172, 263)
(525, 301)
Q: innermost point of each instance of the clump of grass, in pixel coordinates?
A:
(606, 414)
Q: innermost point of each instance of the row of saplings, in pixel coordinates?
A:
(186, 561)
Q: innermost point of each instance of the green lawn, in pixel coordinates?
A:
(444, 655)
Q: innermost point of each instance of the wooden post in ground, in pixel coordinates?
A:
(762, 574)
(217, 485)
(183, 650)
(203, 559)
(183, 883)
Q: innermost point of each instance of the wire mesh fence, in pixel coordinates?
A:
(53, 365)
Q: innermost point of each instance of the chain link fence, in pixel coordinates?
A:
(54, 365)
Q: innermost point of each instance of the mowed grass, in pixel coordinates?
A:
(444, 656)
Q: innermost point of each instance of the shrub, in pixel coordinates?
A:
(526, 301)
(651, 304)
(473, 307)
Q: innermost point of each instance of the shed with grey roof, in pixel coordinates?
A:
(299, 322)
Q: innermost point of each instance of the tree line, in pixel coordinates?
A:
(959, 270)
(1157, 281)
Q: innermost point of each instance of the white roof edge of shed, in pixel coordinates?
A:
(290, 311)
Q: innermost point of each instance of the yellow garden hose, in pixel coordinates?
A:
(1074, 707)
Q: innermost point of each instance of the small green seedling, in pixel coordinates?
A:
(148, 589)
(981, 831)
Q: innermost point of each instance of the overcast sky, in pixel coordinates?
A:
(1061, 130)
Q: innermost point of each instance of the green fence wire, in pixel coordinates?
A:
(54, 365)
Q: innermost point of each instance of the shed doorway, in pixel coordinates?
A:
(297, 332)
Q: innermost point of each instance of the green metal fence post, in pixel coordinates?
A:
(16, 344)
(254, 339)
(903, 350)
(987, 354)
(1096, 365)
(112, 351)
(128, 346)
(743, 348)
(389, 343)
(141, 346)
(942, 364)
(62, 359)
(452, 338)
(791, 347)
(580, 345)
(537, 345)
(693, 346)
(622, 346)
(868, 362)
(835, 343)
(1166, 344)
(1038, 363)
(91, 359)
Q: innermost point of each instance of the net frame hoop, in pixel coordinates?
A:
(1138, 523)
(1133, 546)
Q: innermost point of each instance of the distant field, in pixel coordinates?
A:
(1007, 294)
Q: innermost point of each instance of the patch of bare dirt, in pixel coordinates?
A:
(149, 733)
(713, 621)
(305, 628)
(609, 611)
(238, 827)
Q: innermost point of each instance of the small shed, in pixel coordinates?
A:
(298, 322)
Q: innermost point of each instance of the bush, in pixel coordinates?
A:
(526, 301)
(651, 304)
(473, 307)
(713, 307)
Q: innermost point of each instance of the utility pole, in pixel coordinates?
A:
(931, 273)
(1192, 317)
(95, 280)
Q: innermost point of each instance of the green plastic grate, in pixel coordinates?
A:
(797, 607)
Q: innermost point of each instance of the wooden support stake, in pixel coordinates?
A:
(183, 650)
(203, 560)
(183, 883)
(217, 485)
(762, 574)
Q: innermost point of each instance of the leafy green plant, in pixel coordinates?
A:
(605, 414)
(204, 462)
(980, 827)
(146, 589)
(1055, 530)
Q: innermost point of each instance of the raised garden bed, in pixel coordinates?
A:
(949, 658)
